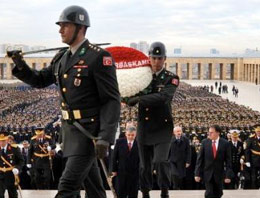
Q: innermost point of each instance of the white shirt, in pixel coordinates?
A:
(157, 73)
(234, 143)
(216, 143)
(5, 148)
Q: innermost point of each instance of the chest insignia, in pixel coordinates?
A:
(77, 82)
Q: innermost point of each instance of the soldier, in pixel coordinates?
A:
(11, 162)
(40, 158)
(252, 157)
(90, 102)
(155, 124)
(237, 151)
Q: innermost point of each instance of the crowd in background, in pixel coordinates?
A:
(195, 109)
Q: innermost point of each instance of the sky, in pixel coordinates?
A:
(230, 26)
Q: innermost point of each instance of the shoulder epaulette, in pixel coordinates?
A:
(14, 145)
(48, 136)
(34, 137)
(95, 47)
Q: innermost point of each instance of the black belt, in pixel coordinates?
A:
(79, 114)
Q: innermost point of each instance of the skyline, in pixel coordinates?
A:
(229, 26)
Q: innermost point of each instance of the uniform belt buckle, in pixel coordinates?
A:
(76, 114)
(65, 114)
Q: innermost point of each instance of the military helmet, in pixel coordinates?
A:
(157, 49)
(74, 14)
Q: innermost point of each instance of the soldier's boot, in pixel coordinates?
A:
(145, 193)
(164, 193)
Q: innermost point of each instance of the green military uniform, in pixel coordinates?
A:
(89, 93)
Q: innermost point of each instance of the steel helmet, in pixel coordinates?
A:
(157, 49)
(74, 14)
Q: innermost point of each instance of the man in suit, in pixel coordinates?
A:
(237, 151)
(24, 176)
(126, 165)
(214, 163)
(180, 157)
(86, 77)
(252, 157)
(11, 162)
(155, 124)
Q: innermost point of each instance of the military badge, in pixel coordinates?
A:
(81, 62)
(107, 61)
(81, 17)
(175, 81)
(82, 51)
(77, 82)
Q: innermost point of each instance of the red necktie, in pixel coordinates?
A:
(129, 146)
(214, 149)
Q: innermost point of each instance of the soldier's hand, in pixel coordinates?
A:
(132, 101)
(248, 164)
(29, 166)
(227, 181)
(241, 161)
(15, 171)
(101, 148)
(48, 148)
(17, 58)
(197, 179)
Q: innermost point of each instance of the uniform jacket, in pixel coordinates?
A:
(252, 151)
(236, 153)
(155, 123)
(87, 81)
(210, 167)
(40, 148)
(14, 157)
(180, 154)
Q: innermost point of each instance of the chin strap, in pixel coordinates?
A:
(75, 34)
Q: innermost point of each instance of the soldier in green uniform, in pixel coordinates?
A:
(40, 158)
(86, 76)
(11, 162)
(155, 124)
(252, 157)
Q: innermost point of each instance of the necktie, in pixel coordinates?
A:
(235, 144)
(214, 149)
(3, 151)
(129, 146)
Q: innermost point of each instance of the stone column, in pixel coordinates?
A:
(179, 73)
(201, 71)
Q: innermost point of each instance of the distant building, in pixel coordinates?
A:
(214, 51)
(177, 51)
(142, 46)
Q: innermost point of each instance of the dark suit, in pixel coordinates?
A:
(126, 164)
(88, 86)
(25, 179)
(212, 169)
(14, 157)
(154, 130)
(180, 155)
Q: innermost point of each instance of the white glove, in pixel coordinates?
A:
(48, 148)
(29, 166)
(15, 171)
(248, 164)
(242, 161)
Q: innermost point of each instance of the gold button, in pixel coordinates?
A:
(166, 120)
(65, 76)
(146, 118)
(64, 89)
(92, 119)
(63, 104)
(79, 70)
(147, 109)
(78, 75)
